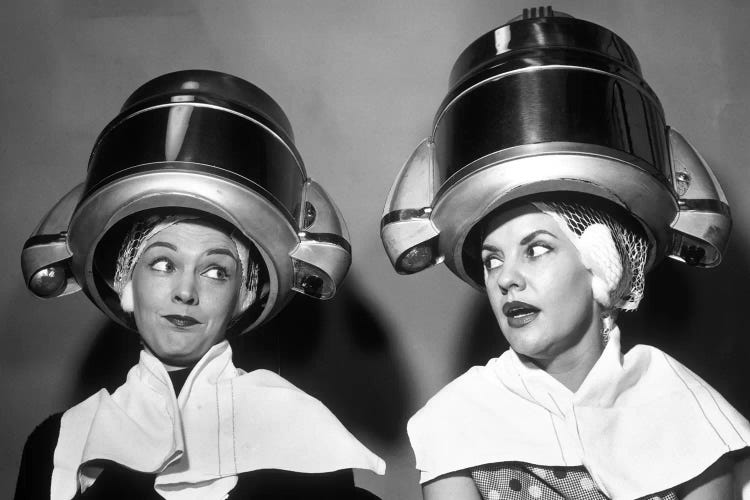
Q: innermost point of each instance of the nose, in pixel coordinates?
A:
(510, 276)
(185, 291)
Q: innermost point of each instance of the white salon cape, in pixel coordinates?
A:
(640, 423)
(223, 423)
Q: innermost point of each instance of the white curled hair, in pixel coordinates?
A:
(615, 255)
(143, 230)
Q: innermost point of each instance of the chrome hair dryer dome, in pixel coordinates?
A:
(550, 103)
(195, 140)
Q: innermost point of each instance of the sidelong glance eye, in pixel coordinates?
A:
(216, 273)
(537, 250)
(162, 265)
(492, 262)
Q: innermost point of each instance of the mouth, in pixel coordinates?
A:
(519, 313)
(181, 321)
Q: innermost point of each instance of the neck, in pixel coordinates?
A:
(572, 366)
(173, 368)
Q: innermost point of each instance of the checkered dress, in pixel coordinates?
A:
(520, 481)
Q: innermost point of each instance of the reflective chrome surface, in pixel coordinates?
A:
(702, 227)
(249, 211)
(522, 37)
(545, 105)
(549, 79)
(45, 254)
(210, 87)
(408, 234)
(205, 141)
(463, 204)
(550, 104)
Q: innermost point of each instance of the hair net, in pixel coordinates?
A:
(144, 229)
(615, 254)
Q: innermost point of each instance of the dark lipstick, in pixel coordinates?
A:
(181, 321)
(519, 313)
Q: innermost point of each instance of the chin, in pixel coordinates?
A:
(179, 347)
(179, 357)
(179, 352)
(531, 350)
(529, 342)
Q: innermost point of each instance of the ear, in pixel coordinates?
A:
(126, 299)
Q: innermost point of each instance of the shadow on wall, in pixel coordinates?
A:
(483, 340)
(335, 350)
(339, 352)
(696, 316)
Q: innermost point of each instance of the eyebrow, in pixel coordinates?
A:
(222, 251)
(213, 251)
(533, 235)
(160, 244)
(526, 239)
(491, 248)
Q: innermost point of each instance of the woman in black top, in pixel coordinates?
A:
(195, 223)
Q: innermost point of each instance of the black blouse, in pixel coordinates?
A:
(117, 482)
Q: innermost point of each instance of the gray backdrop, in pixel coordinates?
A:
(360, 82)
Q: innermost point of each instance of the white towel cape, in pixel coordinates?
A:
(224, 422)
(640, 423)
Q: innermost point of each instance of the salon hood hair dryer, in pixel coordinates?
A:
(550, 103)
(194, 140)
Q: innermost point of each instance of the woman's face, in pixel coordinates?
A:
(538, 287)
(185, 290)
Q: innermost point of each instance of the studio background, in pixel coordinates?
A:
(360, 82)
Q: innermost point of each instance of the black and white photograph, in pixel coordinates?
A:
(331, 249)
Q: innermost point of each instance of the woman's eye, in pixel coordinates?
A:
(491, 263)
(162, 265)
(537, 250)
(216, 273)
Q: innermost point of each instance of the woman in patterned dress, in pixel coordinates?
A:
(552, 183)
(563, 413)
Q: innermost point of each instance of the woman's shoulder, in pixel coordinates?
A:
(47, 430)
(299, 421)
(450, 432)
(657, 374)
(275, 395)
(458, 390)
(275, 392)
(262, 375)
(465, 394)
(35, 472)
(35, 475)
